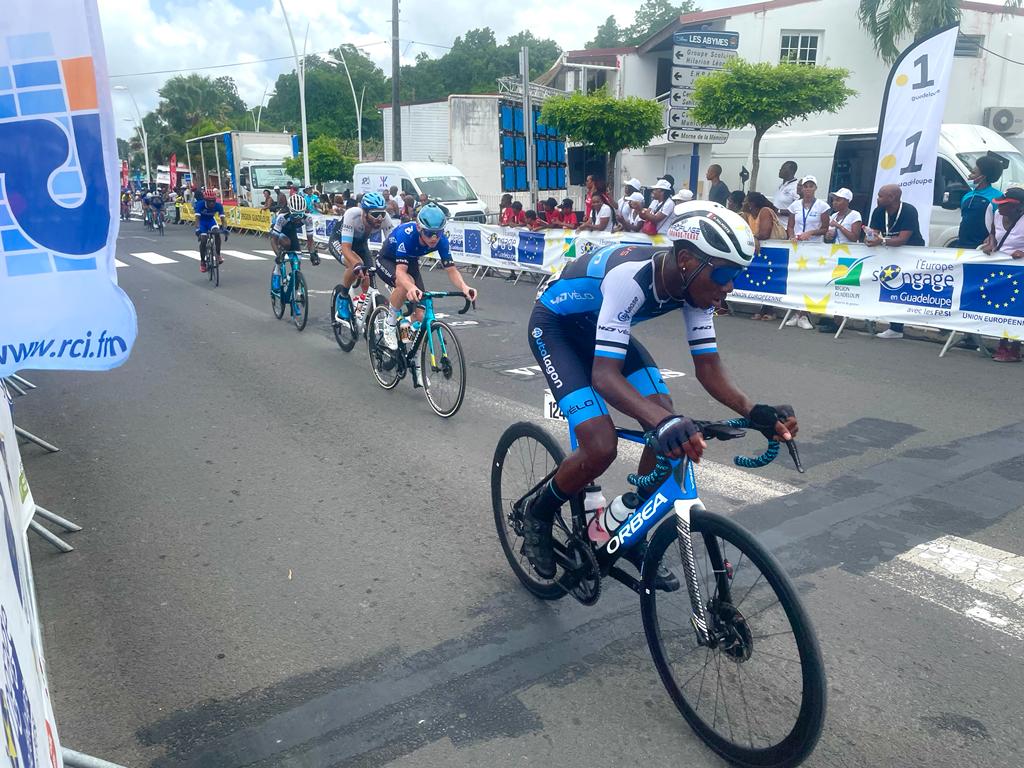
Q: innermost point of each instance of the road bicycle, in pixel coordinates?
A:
(734, 647)
(441, 371)
(208, 253)
(158, 220)
(288, 288)
(349, 322)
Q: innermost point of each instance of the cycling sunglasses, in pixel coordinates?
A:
(376, 215)
(431, 232)
(725, 274)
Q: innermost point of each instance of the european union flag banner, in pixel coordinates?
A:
(767, 273)
(994, 289)
(60, 306)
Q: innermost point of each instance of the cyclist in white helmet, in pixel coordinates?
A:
(581, 336)
(284, 235)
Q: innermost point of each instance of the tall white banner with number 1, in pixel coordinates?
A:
(908, 132)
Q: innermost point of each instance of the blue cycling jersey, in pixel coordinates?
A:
(206, 213)
(403, 246)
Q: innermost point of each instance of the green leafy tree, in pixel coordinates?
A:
(609, 35)
(892, 23)
(605, 123)
(326, 162)
(652, 15)
(764, 95)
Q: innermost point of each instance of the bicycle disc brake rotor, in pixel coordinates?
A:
(586, 572)
(734, 637)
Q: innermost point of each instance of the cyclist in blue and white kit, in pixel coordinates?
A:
(349, 241)
(207, 209)
(581, 336)
(156, 205)
(398, 264)
(284, 235)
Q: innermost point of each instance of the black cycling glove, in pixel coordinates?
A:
(673, 432)
(763, 418)
(314, 258)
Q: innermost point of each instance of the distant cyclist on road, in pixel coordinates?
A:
(207, 208)
(580, 334)
(156, 205)
(287, 228)
(398, 264)
(349, 239)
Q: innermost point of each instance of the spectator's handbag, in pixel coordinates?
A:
(778, 230)
(650, 227)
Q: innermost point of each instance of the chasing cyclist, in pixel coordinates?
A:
(398, 264)
(207, 208)
(156, 206)
(580, 336)
(285, 233)
(126, 204)
(349, 242)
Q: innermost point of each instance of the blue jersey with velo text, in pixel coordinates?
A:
(403, 246)
(613, 287)
(206, 213)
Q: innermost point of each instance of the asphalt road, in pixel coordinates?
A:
(284, 565)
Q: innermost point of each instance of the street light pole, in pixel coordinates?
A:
(357, 103)
(142, 130)
(300, 68)
(396, 107)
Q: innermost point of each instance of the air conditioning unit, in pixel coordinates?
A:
(1005, 120)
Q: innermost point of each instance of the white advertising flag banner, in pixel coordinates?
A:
(908, 131)
(60, 306)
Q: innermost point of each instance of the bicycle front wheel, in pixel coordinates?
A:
(300, 300)
(384, 362)
(344, 327)
(756, 694)
(443, 371)
(277, 297)
(526, 454)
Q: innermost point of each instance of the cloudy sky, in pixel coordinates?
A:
(154, 35)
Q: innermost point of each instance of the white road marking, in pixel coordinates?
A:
(190, 254)
(118, 263)
(153, 258)
(265, 253)
(242, 255)
(980, 582)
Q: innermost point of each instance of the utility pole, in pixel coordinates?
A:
(531, 160)
(396, 107)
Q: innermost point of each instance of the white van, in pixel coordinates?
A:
(441, 182)
(846, 158)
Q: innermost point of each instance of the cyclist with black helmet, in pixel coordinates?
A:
(398, 263)
(581, 336)
(207, 208)
(349, 240)
(284, 235)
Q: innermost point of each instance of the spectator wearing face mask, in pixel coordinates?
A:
(976, 204)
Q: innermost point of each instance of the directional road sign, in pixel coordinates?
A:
(695, 55)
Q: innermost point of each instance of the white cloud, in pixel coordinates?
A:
(155, 35)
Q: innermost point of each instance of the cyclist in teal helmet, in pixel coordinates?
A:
(398, 263)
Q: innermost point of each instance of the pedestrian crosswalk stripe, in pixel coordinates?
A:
(265, 253)
(118, 263)
(189, 254)
(153, 258)
(242, 255)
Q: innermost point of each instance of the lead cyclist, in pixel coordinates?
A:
(581, 336)
(350, 237)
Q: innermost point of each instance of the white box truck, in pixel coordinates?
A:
(846, 158)
(255, 160)
(441, 182)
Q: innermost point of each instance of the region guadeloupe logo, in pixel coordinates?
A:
(848, 271)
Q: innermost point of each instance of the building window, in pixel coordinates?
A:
(800, 48)
(969, 46)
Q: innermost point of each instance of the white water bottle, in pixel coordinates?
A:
(619, 511)
(594, 504)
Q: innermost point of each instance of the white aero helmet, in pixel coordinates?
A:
(714, 231)
(297, 203)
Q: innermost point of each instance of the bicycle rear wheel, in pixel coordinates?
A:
(208, 259)
(300, 300)
(277, 297)
(385, 363)
(757, 697)
(444, 371)
(526, 454)
(344, 328)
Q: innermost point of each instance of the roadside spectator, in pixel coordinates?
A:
(808, 222)
(346, 196)
(630, 221)
(409, 210)
(514, 216)
(312, 201)
(590, 185)
(718, 192)
(268, 201)
(788, 191)
(682, 196)
(534, 222)
(976, 204)
(735, 201)
(1006, 240)
(844, 226)
(505, 202)
(552, 215)
(338, 207)
(569, 218)
(893, 222)
(602, 217)
(658, 217)
(423, 200)
(631, 186)
(764, 222)
(397, 207)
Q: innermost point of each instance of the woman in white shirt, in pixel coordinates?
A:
(662, 206)
(844, 223)
(808, 216)
(601, 218)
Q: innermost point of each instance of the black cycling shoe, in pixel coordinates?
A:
(666, 581)
(537, 542)
(314, 258)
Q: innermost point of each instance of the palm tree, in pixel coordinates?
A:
(890, 21)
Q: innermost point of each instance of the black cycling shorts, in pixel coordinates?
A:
(360, 245)
(387, 269)
(564, 349)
